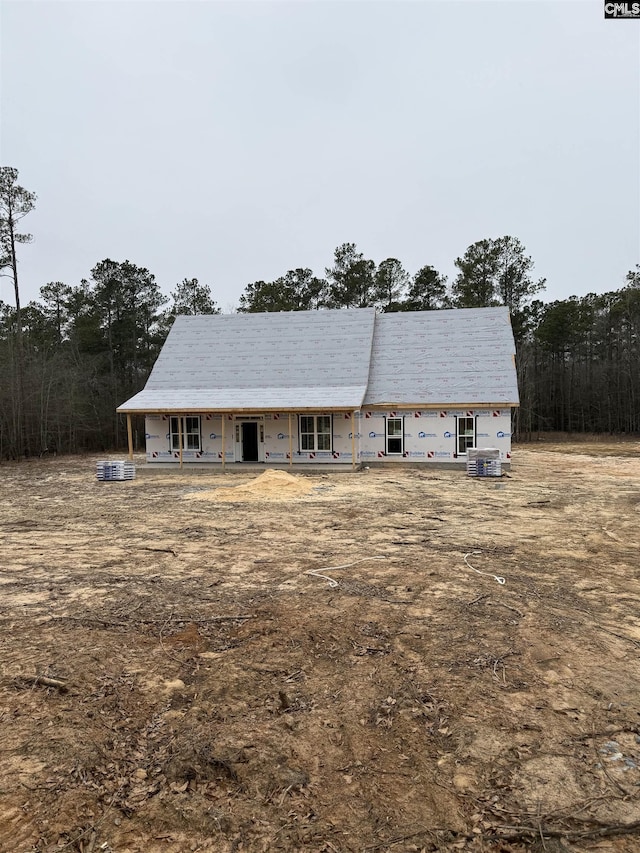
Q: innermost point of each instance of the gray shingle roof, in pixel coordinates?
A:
(295, 359)
(463, 355)
(333, 360)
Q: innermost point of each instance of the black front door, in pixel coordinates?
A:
(249, 442)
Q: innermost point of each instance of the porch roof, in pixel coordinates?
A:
(290, 360)
(195, 400)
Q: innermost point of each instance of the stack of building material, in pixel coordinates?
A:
(484, 462)
(114, 470)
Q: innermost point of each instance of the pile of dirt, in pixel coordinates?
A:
(272, 485)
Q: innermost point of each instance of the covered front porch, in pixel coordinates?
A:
(226, 438)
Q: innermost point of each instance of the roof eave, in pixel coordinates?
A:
(448, 404)
(236, 410)
(285, 409)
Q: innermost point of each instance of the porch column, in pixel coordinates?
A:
(180, 437)
(130, 437)
(224, 417)
(290, 442)
(353, 441)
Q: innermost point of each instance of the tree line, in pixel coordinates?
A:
(69, 358)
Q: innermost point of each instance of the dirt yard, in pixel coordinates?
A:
(176, 678)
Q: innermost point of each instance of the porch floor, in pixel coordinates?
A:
(150, 468)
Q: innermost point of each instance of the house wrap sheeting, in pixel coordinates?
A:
(462, 356)
(279, 360)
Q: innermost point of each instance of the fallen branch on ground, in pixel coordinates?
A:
(630, 729)
(512, 834)
(159, 550)
(508, 606)
(45, 681)
(233, 618)
(604, 830)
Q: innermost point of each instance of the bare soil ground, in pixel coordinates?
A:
(214, 695)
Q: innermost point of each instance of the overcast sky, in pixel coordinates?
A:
(232, 141)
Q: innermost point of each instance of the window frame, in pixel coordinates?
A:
(465, 435)
(190, 433)
(308, 439)
(388, 436)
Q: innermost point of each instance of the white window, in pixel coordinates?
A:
(315, 432)
(395, 436)
(466, 432)
(189, 429)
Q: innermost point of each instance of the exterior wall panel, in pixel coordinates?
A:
(429, 437)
